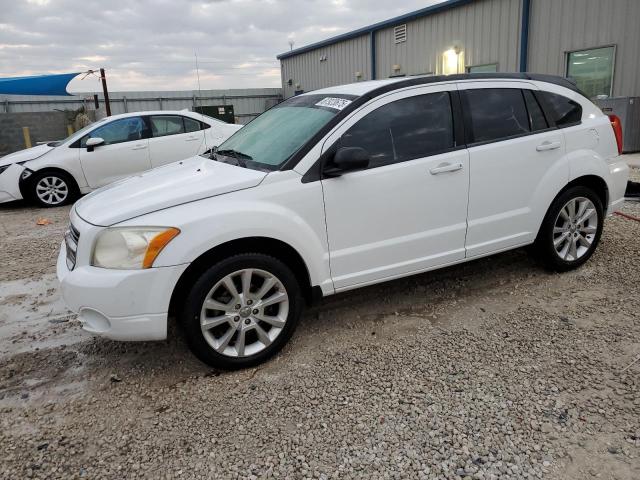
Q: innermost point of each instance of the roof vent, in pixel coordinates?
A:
(400, 33)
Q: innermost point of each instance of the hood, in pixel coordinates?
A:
(174, 184)
(24, 155)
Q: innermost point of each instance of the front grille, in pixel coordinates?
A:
(71, 237)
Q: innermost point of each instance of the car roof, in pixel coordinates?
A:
(359, 88)
(373, 88)
(186, 113)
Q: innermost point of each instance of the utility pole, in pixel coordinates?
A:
(107, 105)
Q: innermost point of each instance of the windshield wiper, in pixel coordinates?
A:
(239, 157)
(234, 154)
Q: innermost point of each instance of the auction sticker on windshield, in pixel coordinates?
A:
(331, 102)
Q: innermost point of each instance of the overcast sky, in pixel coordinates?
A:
(150, 44)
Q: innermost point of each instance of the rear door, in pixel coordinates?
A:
(125, 151)
(407, 211)
(173, 138)
(515, 160)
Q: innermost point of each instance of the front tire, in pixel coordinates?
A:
(242, 311)
(52, 189)
(571, 229)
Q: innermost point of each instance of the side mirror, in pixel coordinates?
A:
(93, 142)
(346, 159)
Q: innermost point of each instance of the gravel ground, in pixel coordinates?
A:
(492, 369)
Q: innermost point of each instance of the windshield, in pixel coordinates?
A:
(74, 136)
(272, 138)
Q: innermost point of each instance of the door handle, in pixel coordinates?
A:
(548, 146)
(139, 147)
(445, 167)
(191, 139)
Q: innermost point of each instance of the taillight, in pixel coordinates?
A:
(617, 130)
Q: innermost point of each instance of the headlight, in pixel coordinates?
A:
(131, 248)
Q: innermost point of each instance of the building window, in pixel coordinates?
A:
(488, 68)
(592, 70)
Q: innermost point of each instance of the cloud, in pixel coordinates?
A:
(152, 44)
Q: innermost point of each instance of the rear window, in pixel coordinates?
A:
(564, 111)
(191, 125)
(496, 114)
(164, 125)
(537, 120)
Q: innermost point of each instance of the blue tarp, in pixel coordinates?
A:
(37, 85)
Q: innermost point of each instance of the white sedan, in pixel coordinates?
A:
(113, 148)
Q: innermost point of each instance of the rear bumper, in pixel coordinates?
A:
(129, 305)
(617, 183)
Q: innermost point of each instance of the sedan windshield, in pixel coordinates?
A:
(75, 135)
(271, 139)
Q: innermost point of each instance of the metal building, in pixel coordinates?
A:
(596, 42)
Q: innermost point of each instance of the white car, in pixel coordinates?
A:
(113, 148)
(337, 189)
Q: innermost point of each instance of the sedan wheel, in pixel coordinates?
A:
(51, 189)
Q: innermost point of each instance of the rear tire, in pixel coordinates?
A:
(241, 311)
(571, 230)
(52, 189)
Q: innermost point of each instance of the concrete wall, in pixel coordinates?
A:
(247, 102)
(486, 31)
(342, 62)
(43, 126)
(558, 27)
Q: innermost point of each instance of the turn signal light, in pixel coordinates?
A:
(157, 244)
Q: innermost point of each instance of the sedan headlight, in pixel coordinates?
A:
(130, 248)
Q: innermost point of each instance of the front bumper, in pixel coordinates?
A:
(129, 305)
(10, 183)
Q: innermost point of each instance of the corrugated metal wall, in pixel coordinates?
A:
(247, 103)
(487, 31)
(343, 61)
(558, 27)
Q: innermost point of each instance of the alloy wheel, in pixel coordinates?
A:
(575, 229)
(52, 190)
(244, 312)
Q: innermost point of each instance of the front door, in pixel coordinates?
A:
(407, 212)
(125, 151)
(515, 162)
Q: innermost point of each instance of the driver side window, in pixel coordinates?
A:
(414, 127)
(119, 131)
